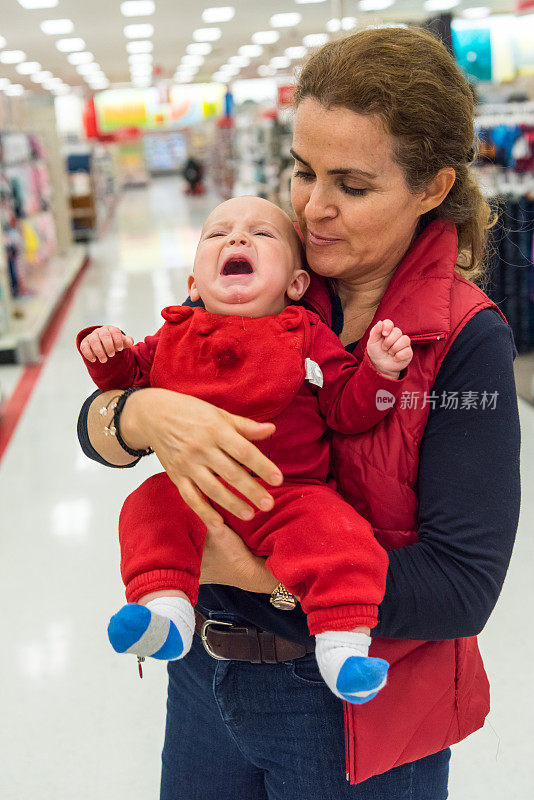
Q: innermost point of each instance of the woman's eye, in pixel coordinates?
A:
(264, 233)
(217, 233)
(353, 191)
(350, 190)
(305, 176)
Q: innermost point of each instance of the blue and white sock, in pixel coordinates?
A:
(162, 629)
(347, 669)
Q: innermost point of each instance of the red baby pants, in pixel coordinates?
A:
(316, 544)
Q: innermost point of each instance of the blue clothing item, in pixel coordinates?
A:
(446, 585)
(269, 732)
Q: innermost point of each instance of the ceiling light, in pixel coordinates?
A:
(180, 76)
(4, 83)
(141, 69)
(195, 61)
(184, 79)
(251, 50)
(51, 83)
(88, 69)
(333, 25)
(219, 77)
(38, 3)
(265, 37)
(348, 23)
(62, 89)
(142, 83)
(140, 58)
(55, 26)
(138, 8)
(265, 71)
(315, 39)
(280, 62)
(142, 31)
(39, 77)
(70, 45)
(28, 67)
(239, 61)
(139, 47)
(207, 34)
(2, 42)
(12, 56)
(14, 89)
(199, 49)
(285, 20)
(478, 12)
(221, 14)
(375, 5)
(80, 58)
(295, 52)
(440, 5)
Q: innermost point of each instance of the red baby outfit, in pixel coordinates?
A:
(290, 369)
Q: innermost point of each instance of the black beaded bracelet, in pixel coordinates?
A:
(119, 405)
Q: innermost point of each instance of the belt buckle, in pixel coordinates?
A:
(204, 637)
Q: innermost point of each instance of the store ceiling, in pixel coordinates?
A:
(100, 24)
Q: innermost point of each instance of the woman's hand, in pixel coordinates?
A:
(227, 560)
(196, 443)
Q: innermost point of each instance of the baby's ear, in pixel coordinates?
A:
(192, 288)
(299, 284)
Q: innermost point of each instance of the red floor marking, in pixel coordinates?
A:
(15, 405)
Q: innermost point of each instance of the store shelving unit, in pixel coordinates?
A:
(43, 262)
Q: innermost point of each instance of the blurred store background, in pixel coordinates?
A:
(122, 124)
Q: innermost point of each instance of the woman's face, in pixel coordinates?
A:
(354, 225)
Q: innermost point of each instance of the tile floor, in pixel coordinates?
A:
(76, 720)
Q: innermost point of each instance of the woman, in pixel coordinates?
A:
(381, 189)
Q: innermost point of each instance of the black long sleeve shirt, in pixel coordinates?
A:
(445, 585)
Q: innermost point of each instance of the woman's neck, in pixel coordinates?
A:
(359, 300)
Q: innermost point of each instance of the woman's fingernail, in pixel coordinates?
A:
(266, 504)
(247, 515)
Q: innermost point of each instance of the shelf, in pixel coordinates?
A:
(21, 344)
(86, 212)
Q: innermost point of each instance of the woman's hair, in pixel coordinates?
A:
(410, 81)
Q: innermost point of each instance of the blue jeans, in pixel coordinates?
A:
(269, 732)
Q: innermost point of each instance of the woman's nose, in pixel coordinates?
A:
(318, 205)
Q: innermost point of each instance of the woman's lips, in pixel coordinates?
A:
(320, 240)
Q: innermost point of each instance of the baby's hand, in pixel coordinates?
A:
(388, 349)
(104, 342)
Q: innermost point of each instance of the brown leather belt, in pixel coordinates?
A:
(228, 642)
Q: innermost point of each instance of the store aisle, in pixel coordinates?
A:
(76, 719)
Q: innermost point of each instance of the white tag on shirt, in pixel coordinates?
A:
(313, 372)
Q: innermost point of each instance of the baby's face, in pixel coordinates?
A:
(247, 259)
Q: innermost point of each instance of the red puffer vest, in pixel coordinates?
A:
(437, 692)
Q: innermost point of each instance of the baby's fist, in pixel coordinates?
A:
(389, 350)
(104, 342)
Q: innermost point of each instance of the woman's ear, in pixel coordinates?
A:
(192, 288)
(298, 285)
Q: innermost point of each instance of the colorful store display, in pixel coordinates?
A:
(505, 170)
(146, 109)
(27, 222)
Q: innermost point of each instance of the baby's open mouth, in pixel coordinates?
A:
(237, 265)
